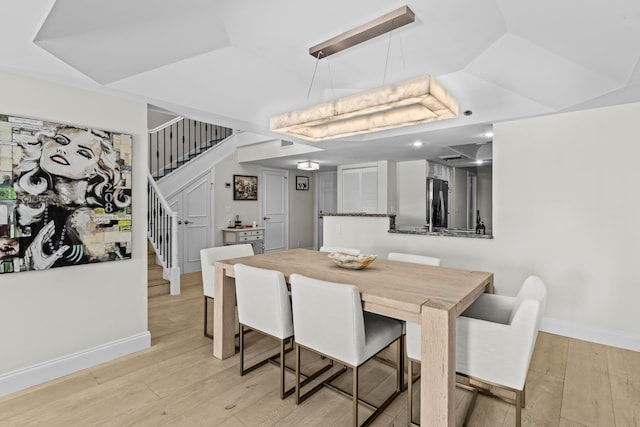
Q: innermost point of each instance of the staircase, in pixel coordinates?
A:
(180, 141)
(171, 146)
(155, 283)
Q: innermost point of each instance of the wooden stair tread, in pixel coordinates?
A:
(156, 284)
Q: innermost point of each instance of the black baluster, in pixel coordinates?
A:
(163, 161)
(196, 129)
(195, 138)
(177, 145)
(185, 157)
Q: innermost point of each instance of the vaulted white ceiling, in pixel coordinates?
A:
(237, 63)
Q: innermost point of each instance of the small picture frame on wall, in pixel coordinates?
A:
(302, 183)
(245, 187)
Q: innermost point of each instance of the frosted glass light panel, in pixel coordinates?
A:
(65, 195)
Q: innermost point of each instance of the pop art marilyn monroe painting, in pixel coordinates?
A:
(65, 195)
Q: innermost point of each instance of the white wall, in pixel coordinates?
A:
(225, 207)
(564, 208)
(158, 118)
(411, 193)
(300, 202)
(61, 320)
(301, 211)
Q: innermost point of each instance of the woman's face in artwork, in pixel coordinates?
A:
(71, 153)
(8, 247)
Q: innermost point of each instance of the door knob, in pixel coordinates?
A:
(188, 222)
(266, 218)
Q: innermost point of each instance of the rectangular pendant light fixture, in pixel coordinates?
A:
(412, 102)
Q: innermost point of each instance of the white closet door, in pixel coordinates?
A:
(360, 190)
(351, 191)
(369, 190)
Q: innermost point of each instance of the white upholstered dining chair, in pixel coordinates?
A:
(264, 306)
(495, 338)
(329, 320)
(416, 259)
(208, 257)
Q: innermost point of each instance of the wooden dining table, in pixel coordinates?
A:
(431, 296)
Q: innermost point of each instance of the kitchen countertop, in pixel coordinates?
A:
(359, 214)
(443, 232)
(422, 231)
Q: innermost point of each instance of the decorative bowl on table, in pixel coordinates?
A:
(354, 262)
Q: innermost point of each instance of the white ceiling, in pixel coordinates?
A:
(236, 63)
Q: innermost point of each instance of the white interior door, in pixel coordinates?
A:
(327, 184)
(275, 209)
(194, 225)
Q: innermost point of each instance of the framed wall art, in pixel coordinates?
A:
(302, 183)
(65, 195)
(245, 187)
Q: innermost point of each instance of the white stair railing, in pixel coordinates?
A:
(172, 145)
(162, 229)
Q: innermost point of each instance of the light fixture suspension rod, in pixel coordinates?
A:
(313, 77)
(386, 61)
(378, 26)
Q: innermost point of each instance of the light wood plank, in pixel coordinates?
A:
(624, 373)
(177, 382)
(43, 395)
(587, 388)
(550, 355)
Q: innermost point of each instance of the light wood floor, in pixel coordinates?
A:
(177, 382)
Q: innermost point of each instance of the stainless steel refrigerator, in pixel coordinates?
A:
(437, 202)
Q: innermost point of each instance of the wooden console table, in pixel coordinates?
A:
(236, 236)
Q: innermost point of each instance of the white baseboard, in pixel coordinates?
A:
(608, 337)
(61, 366)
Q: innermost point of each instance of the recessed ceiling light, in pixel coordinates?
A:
(489, 134)
(417, 144)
